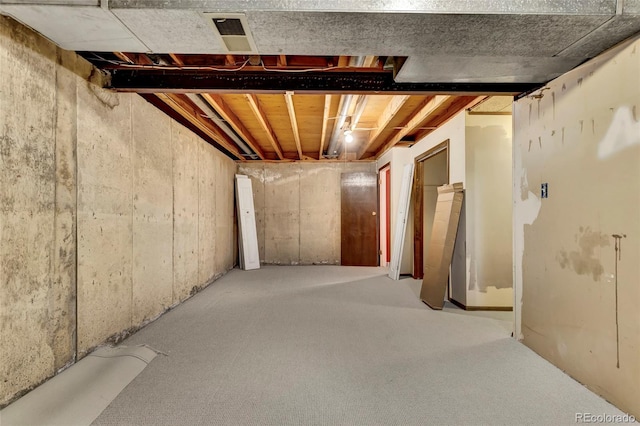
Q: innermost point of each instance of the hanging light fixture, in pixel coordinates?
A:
(348, 137)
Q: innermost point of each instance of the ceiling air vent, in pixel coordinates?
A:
(233, 30)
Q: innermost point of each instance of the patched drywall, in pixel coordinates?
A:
(488, 208)
(454, 132)
(577, 294)
(480, 157)
(298, 210)
(103, 199)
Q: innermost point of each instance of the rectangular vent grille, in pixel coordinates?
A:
(233, 31)
(227, 27)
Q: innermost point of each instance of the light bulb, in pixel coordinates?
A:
(348, 137)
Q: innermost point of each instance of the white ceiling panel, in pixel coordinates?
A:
(172, 31)
(77, 28)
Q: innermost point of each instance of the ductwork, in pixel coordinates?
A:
(358, 112)
(215, 117)
(332, 150)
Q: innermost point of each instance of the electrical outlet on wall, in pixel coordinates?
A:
(544, 190)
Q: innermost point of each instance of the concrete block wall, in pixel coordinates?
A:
(298, 210)
(110, 212)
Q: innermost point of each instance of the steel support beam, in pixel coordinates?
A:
(186, 81)
(381, 6)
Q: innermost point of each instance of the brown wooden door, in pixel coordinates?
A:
(388, 210)
(359, 219)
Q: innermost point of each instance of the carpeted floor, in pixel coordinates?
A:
(337, 345)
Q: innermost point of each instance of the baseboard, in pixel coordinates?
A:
(480, 308)
(458, 304)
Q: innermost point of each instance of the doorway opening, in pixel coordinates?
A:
(384, 191)
(431, 171)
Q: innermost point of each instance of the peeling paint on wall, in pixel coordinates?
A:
(488, 209)
(623, 132)
(575, 311)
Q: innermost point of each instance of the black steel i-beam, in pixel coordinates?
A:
(185, 81)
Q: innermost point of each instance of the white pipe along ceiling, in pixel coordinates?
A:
(347, 100)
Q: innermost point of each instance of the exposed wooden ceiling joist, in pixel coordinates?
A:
(369, 61)
(428, 107)
(325, 123)
(245, 92)
(184, 108)
(455, 105)
(254, 103)
(383, 121)
(134, 58)
(288, 97)
(176, 59)
(229, 116)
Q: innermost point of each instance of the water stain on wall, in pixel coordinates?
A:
(583, 261)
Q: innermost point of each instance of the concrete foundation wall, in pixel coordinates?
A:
(111, 212)
(298, 210)
(578, 304)
(37, 245)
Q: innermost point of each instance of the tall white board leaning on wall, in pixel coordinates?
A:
(247, 235)
(401, 222)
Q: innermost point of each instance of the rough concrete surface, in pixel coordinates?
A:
(105, 228)
(207, 218)
(61, 138)
(152, 211)
(282, 214)
(185, 212)
(319, 189)
(298, 210)
(30, 347)
(64, 298)
(225, 171)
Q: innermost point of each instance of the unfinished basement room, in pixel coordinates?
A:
(304, 212)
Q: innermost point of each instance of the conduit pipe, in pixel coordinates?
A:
(332, 150)
(217, 119)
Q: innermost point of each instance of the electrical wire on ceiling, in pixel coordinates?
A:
(210, 68)
(169, 67)
(300, 70)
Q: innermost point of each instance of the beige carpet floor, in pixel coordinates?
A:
(324, 345)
